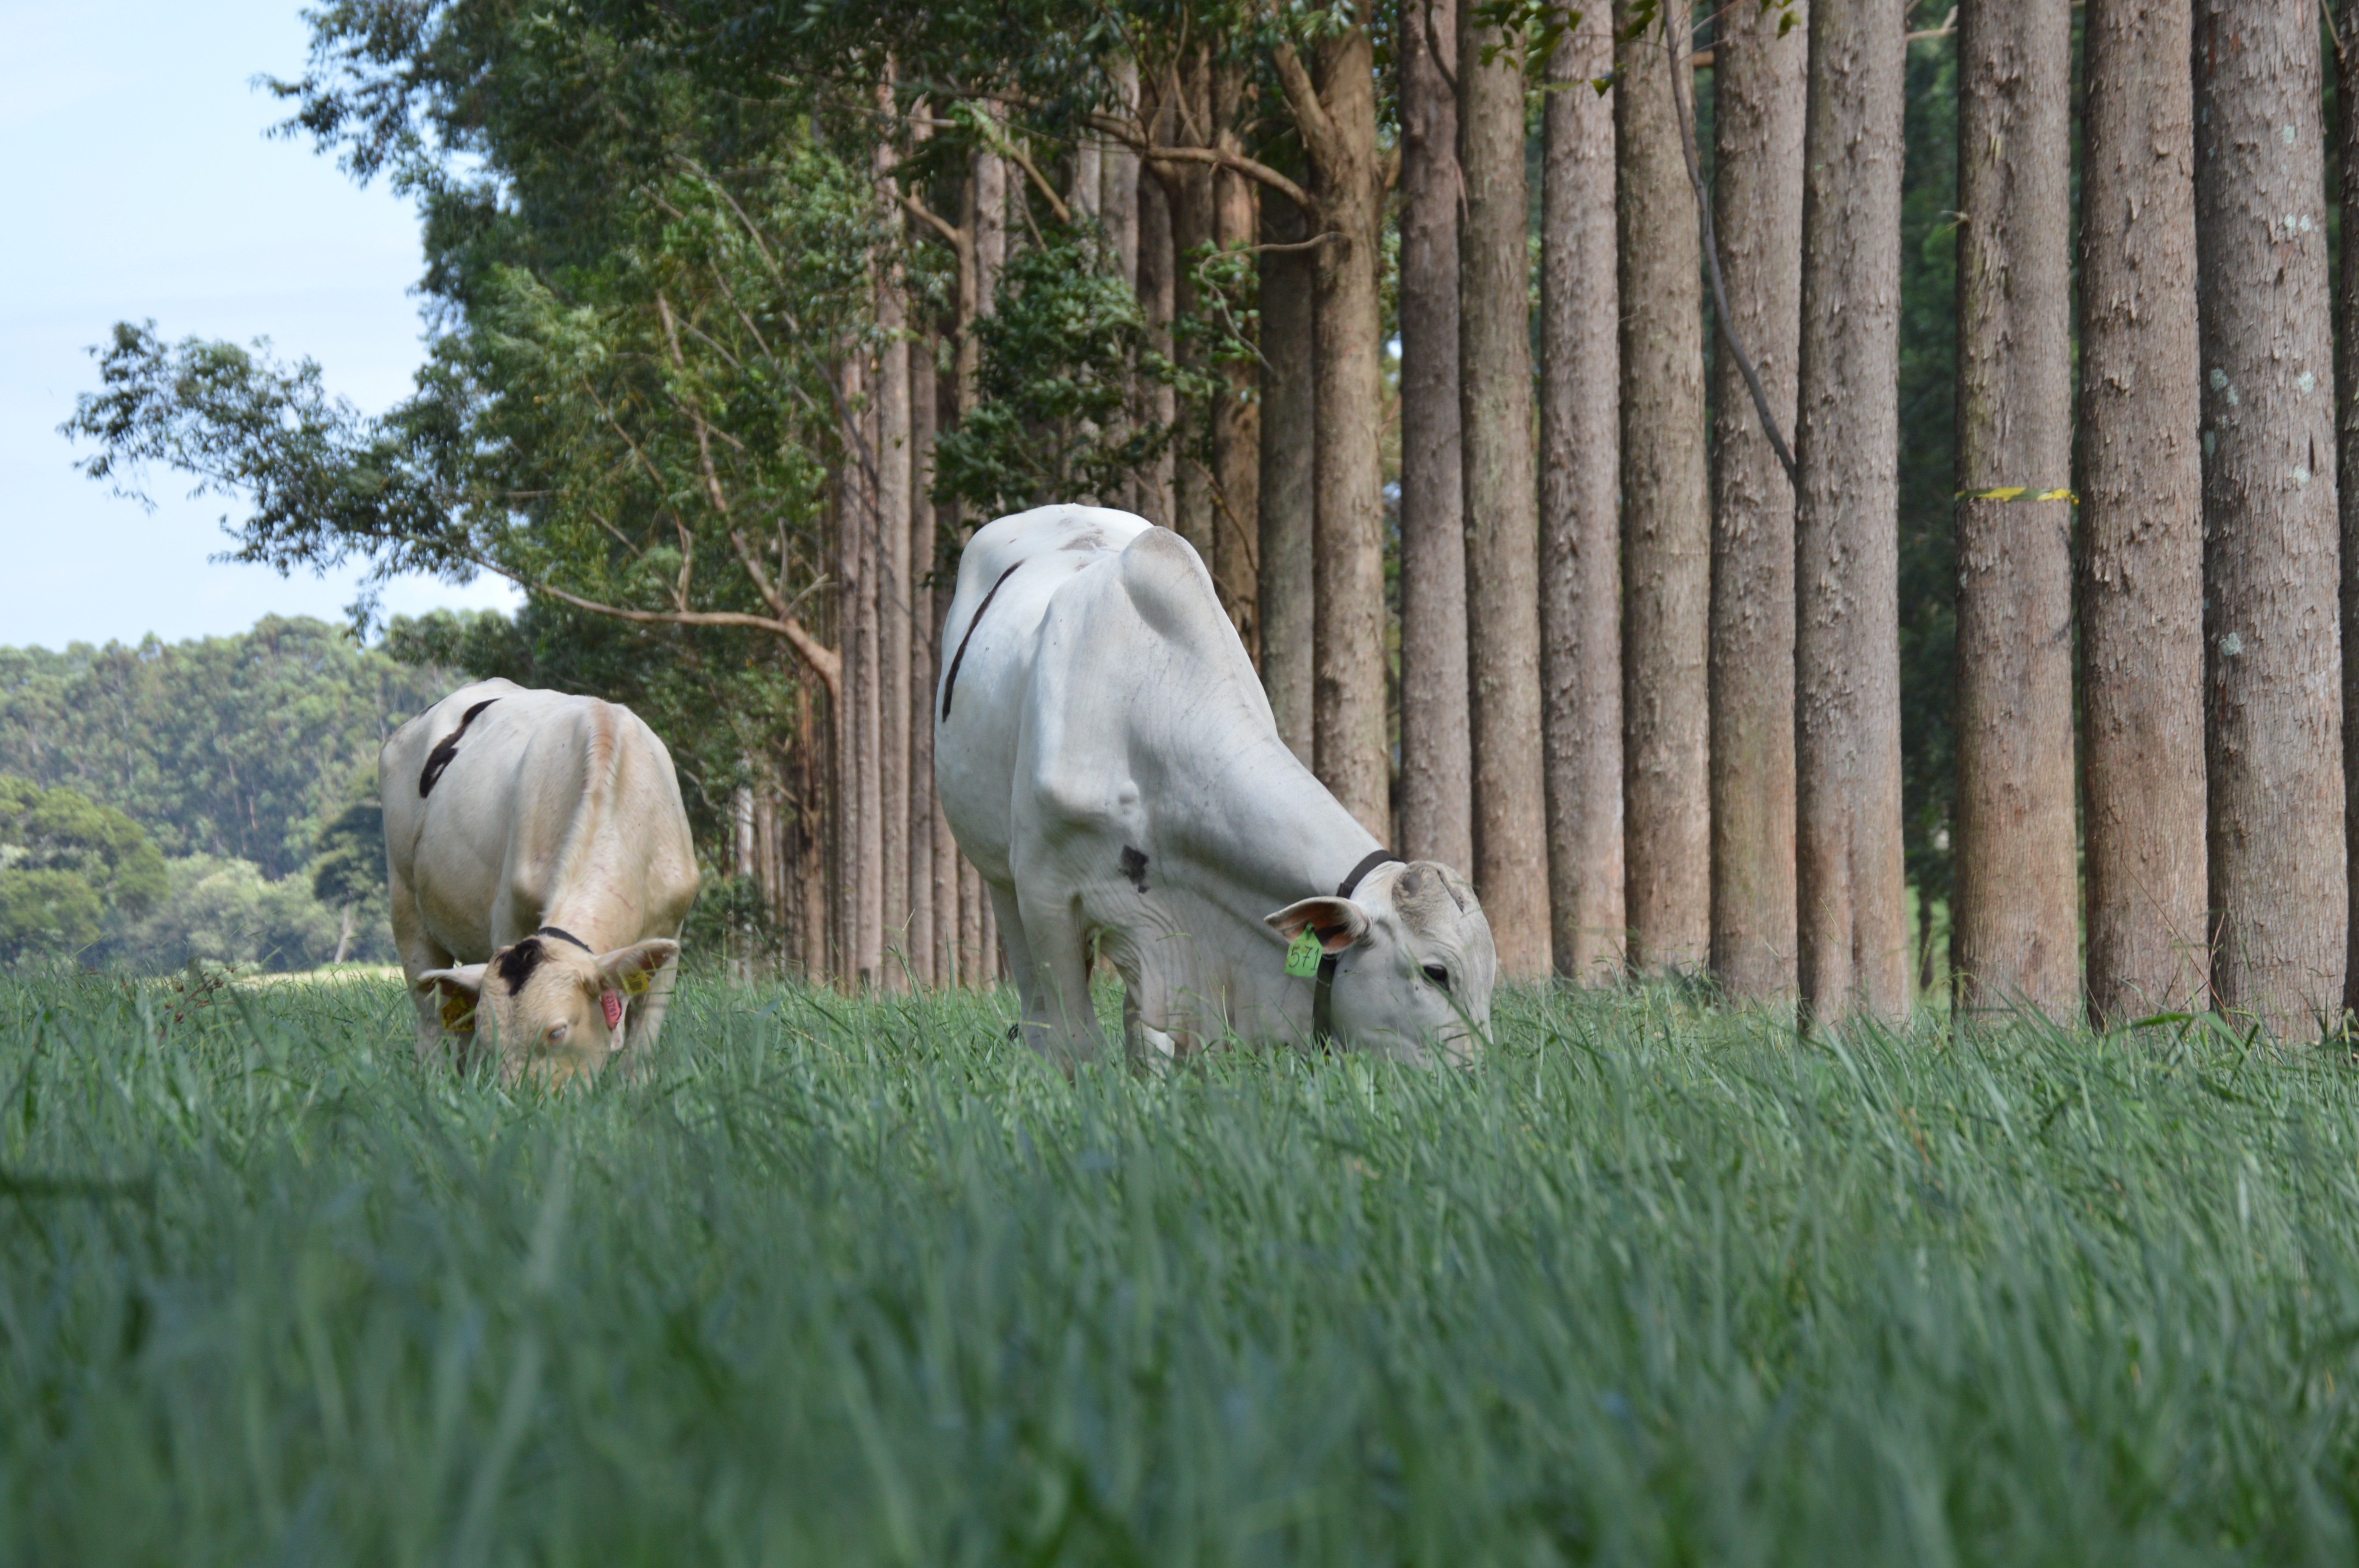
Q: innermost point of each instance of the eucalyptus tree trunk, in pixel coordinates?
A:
(1666, 517)
(1118, 179)
(895, 606)
(989, 185)
(860, 925)
(916, 706)
(2279, 877)
(1287, 498)
(1853, 914)
(1759, 82)
(1157, 500)
(2346, 370)
(1237, 415)
(2141, 486)
(2014, 932)
(1495, 400)
(1437, 766)
(1336, 111)
(1188, 188)
(1581, 573)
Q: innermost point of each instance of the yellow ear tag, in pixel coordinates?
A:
(1302, 954)
(637, 982)
(458, 1012)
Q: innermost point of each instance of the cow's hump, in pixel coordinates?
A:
(1168, 586)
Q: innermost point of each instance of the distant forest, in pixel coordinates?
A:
(237, 758)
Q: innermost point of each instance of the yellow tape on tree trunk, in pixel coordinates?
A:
(2018, 492)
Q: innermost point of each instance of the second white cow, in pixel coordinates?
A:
(1106, 757)
(540, 868)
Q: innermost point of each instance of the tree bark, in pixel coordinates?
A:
(1437, 755)
(2015, 937)
(860, 924)
(1337, 115)
(1118, 180)
(1581, 573)
(896, 608)
(1289, 420)
(1237, 415)
(925, 957)
(1187, 186)
(2141, 485)
(1853, 914)
(1665, 520)
(1502, 514)
(2279, 879)
(1760, 82)
(1158, 501)
(2346, 382)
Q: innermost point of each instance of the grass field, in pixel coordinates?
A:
(861, 1282)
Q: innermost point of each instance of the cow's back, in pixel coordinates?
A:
(1009, 575)
(500, 801)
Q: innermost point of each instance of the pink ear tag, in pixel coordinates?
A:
(613, 1001)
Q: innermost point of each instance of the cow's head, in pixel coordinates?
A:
(1415, 965)
(553, 1010)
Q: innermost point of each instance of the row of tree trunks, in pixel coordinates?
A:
(1760, 83)
(1437, 767)
(1580, 489)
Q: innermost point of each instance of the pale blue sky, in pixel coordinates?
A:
(141, 184)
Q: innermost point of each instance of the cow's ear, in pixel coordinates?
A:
(632, 970)
(459, 988)
(1337, 920)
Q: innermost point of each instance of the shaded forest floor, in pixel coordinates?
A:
(861, 1282)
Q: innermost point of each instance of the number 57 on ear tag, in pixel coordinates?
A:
(1302, 956)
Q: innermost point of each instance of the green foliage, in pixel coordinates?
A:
(1053, 421)
(350, 868)
(240, 746)
(856, 1283)
(66, 864)
(225, 912)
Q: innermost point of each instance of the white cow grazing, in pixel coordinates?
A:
(1107, 760)
(536, 840)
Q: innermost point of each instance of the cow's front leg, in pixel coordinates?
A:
(1047, 955)
(419, 953)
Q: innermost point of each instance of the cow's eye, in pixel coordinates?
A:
(557, 1034)
(1437, 974)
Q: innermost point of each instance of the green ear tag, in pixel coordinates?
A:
(1302, 954)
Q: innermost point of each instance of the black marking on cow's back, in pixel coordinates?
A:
(447, 749)
(1134, 866)
(515, 965)
(949, 682)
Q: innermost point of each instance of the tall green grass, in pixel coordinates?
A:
(853, 1283)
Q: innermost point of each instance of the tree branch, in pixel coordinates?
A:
(1129, 134)
(1318, 132)
(821, 660)
(925, 214)
(1712, 254)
